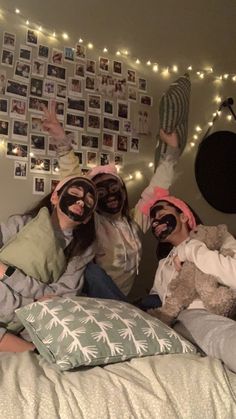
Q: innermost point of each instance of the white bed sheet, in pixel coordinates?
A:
(163, 387)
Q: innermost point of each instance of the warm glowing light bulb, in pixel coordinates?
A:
(229, 117)
(175, 68)
(234, 78)
(138, 174)
(226, 76)
(31, 154)
(117, 52)
(81, 41)
(27, 22)
(190, 68)
(218, 99)
(151, 164)
(195, 136)
(40, 28)
(17, 11)
(192, 144)
(198, 128)
(126, 52)
(137, 61)
(105, 49)
(210, 124)
(90, 45)
(65, 35)
(155, 68)
(54, 34)
(149, 62)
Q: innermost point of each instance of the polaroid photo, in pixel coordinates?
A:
(131, 76)
(3, 106)
(104, 159)
(80, 156)
(36, 87)
(111, 124)
(108, 107)
(3, 82)
(22, 71)
(15, 88)
(9, 40)
(18, 108)
(20, 130)
(20, 170)
(53, 184)
(80, 52)
(61, 91)
(75, 86)
(79, 70)
(127, 126)
(69, 54)
(73, 136)
(39, 185)
(103, 64)
(123, 109)
(4, 128)
(55, 72)
(119, 159)
(143, 122)
(17, 151)
(142, 85)
(90, 83)
(36, 124)
(25, 53)
(49, 88)
(38, 68)
(108, 141)
(55, 167)
(57, 56)
(43, 52)
(132, 94)
(134, 145)
(90, 67)
(120, 89)
(60, 109)
(94, 103)
(91, 158)
(36, 104)
(76, 104)
(40, 165)
(93, 123)
(31, 37)
(7, 58)
(117, 68)
(122, 143)
(146, 100)
(75, 121)
(105, 85)
(89, 141)
(38, 144)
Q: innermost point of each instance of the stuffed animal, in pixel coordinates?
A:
(191, 283)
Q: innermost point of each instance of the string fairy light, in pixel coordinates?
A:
(165, 70)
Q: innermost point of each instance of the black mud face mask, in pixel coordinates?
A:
(169, 220)
(110, 196)
(78, 191)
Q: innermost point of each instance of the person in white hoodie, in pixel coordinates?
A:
(171, 222)
(118, 244)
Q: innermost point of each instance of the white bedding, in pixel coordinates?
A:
(166, 386)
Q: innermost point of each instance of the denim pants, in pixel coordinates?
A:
(97, 284)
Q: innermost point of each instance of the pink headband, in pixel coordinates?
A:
(67, 179)
(108, 169)
(160, 194)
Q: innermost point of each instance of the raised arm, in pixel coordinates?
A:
(162, 178)
(68, 161)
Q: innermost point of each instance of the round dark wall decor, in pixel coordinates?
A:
(215, 170)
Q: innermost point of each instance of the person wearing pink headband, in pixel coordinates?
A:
(57, 237)
(118, 243)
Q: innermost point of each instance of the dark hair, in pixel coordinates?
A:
(125, 212)
(83, 235)
(163, 249)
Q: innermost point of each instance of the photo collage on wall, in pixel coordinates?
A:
(94, 102)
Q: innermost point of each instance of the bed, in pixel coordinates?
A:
(163, 386)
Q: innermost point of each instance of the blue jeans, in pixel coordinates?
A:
(98, 284)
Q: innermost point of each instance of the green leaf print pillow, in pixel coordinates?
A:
(80, 331)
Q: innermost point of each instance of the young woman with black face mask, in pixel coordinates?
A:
(118, 243)
(44, 253)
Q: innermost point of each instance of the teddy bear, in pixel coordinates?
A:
(191, 283)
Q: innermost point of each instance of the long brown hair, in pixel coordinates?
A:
(83, 235)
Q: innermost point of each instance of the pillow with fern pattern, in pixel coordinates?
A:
(80, 331)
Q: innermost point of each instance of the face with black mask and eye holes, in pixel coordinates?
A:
(165, 219)
(77, 199)
(111, 195)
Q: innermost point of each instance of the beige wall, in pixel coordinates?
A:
(16, 195)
